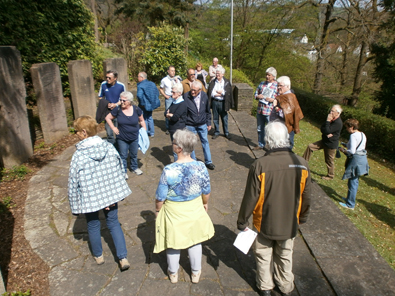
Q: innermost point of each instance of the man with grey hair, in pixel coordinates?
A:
(212, 70)
(199, 119)
(330, 130)
(265, 93)
(277, 193)
(221, 100)
(148, 97)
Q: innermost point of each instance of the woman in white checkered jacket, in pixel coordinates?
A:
(97, 182)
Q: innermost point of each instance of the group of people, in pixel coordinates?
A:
(277, 191)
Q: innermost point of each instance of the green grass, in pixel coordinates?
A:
(15, 173)
(374, 214)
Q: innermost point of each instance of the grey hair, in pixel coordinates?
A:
(143, 75)
(338, 108)
(284, 80)
(186, 140)
(276, 135)
(128, 96)
(178, 88)
(221, 69)
(272, 71)
(197, 83)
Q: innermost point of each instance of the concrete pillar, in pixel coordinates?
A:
(119, 65)
(82, 88)
(50, 101)
(15, 140)
(243, 95)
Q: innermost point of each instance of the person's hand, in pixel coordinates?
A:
(330, 117)
(205, 207)
(270, 100)
(208, 128)
(115, 130)
(260, 97)
(329, 136)
(167, 97)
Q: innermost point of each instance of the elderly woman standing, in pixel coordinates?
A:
(201, 74)
(129, 118)
(265, 93)
(96, 182)
(177, 112)
(357, 162)
(181, 207)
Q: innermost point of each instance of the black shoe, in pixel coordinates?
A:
(227, 136)
(210, 166)
(214, 137)
(265, 292)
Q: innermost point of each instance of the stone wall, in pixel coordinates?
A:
(120, 66)
(243, 95)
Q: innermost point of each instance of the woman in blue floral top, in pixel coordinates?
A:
(181, 207)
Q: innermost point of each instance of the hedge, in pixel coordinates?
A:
(380, 131)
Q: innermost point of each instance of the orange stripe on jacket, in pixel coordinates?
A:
(257, 213)
(305, 174)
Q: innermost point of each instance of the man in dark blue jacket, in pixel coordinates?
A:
(199, 118)
(148, 97)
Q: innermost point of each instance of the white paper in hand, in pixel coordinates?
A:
(245, 239)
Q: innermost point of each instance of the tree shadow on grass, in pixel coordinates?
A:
(373, 183)
(382, 213)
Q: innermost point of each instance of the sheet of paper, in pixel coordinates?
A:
(245, 239)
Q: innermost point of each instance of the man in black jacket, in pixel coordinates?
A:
(199, 118)
(221, 100)
(330, 140)
(277, 194)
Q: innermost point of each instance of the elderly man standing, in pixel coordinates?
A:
(221, 96)
(166, 85)
(186, 83)
(329, 140)
(199, 119)
(148, 97)
(111, 90)
(277, 193)
(286, 108)
(265, 93)
(212, 70)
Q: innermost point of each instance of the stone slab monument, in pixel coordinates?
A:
(50, 101)
(15, 140)
(82, 88)
(119, 65)
(243, 95)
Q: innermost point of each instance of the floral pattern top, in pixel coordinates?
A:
(183, 181)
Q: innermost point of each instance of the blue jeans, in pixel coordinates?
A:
(168, 102)
(219, 111)
(113, 225)
(110, 133)
(201, 130)
(131, 148)
(174, 154)
(261, 120)
(149, 121)
(291, 139)
(353, 184)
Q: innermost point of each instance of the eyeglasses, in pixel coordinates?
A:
(109, 78)
(174, 92)
(191, 74)
(175, 144)
(123, 101)
(194, 90)
(280, 85)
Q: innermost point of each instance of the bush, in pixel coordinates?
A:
(380, 131)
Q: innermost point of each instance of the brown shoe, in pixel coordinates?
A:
(327, 178)
(196, 277)
(257, 148)
(99, 260)
(124, 263)
(173, 277)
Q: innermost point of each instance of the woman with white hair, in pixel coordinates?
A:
(181, 208)
(265, 93)
(129, 117)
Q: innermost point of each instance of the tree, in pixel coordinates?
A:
(162, 47)
(48, 31)
(385, 63)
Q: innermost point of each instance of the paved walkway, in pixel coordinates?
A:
(331, 256)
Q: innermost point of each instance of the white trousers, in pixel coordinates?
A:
(195, 258)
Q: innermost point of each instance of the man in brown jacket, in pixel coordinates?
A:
(286, 108)
(277, 193)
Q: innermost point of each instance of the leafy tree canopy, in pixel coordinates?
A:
(48, 31)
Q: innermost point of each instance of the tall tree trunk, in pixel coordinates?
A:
(319, 73)
(358, 75)
(93, 8)
(186, 35)
(343, 71)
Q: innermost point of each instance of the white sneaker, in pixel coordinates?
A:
(138, 172)
(126, 176)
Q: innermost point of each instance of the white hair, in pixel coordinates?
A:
(127, 95)
(338, 108)
(178, 88)
(197, 83)
(276, 135)
(272, 71)
(186, 140)
(221, 69)
(284, 80)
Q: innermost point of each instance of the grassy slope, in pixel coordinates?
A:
(374, 214)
